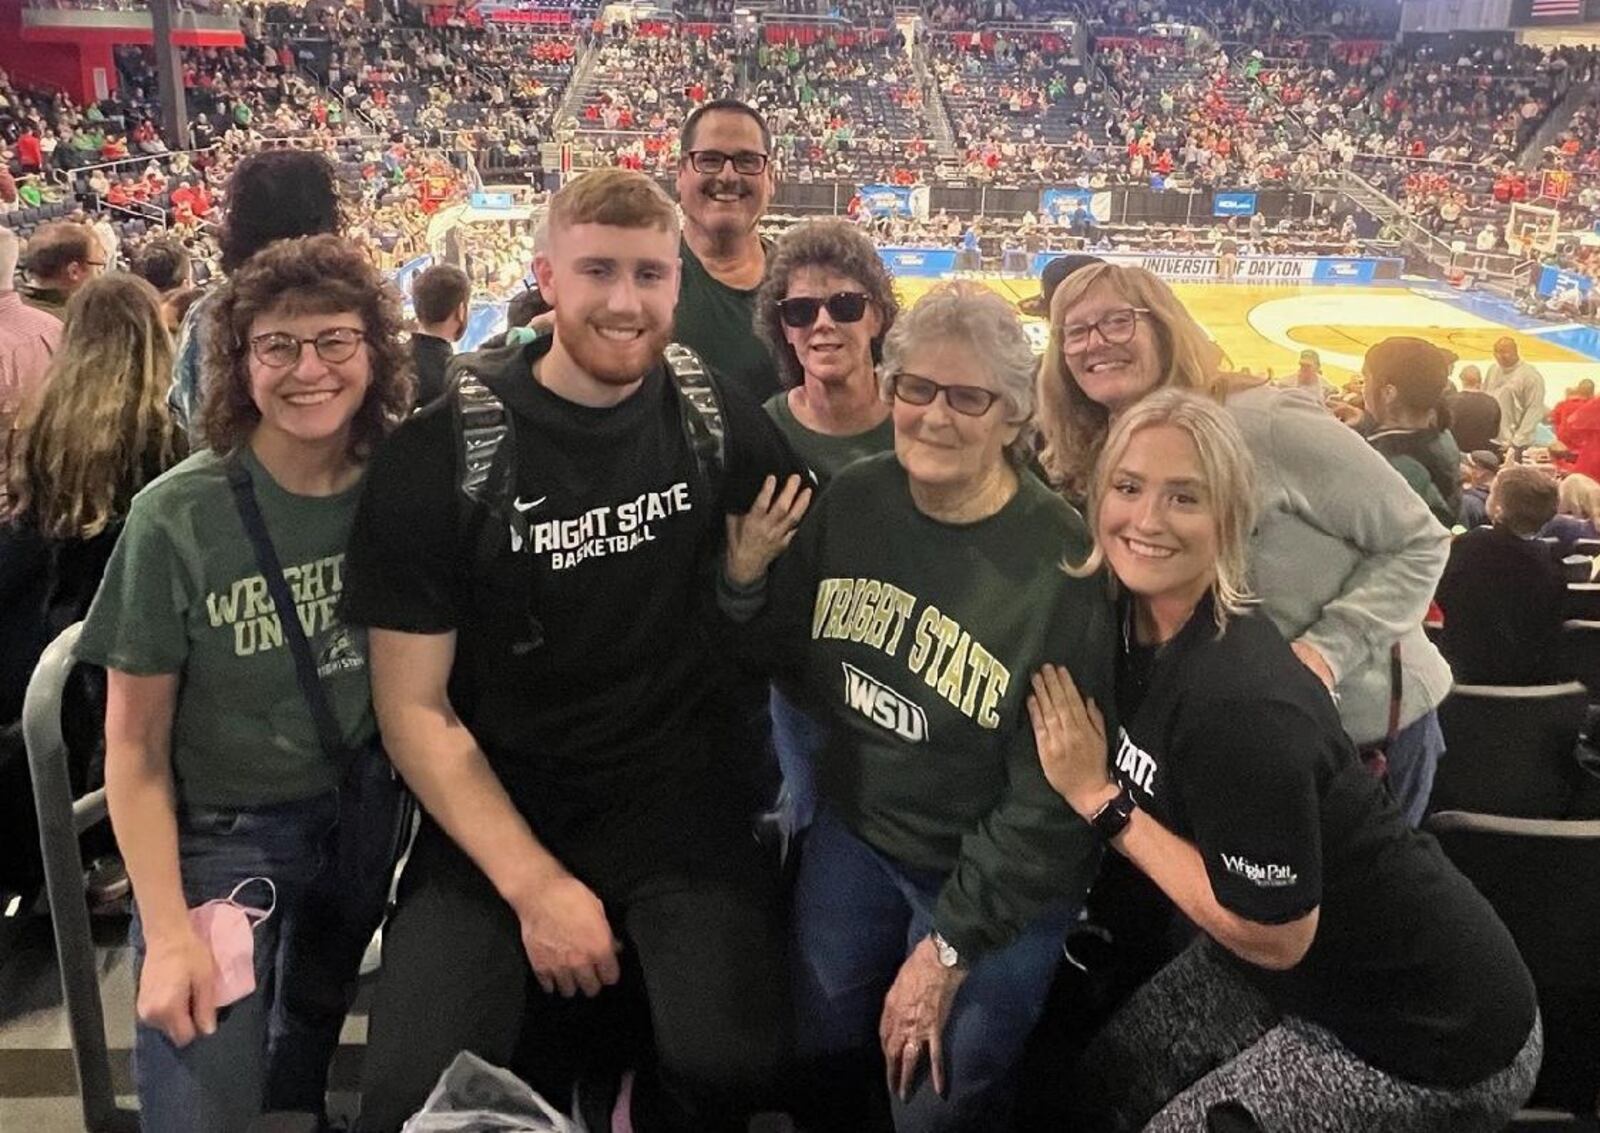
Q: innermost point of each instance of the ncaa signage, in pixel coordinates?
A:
(887, 200)
(1233, 204)
(1554, 281)
(933, 262)
(1345, 271)
(1058, 206)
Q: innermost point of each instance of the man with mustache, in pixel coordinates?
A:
(560, 715)
(725, 182)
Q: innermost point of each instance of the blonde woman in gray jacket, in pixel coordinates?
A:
(1344, 557)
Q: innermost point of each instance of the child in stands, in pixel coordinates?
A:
(1502, 591)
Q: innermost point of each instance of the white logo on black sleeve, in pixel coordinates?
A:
(1137, 764)
(883, 705)
(1270, 875)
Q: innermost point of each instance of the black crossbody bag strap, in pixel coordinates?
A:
(305, 668)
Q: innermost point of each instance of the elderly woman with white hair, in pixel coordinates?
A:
(940, 873)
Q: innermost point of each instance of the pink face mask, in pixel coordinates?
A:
(228, 928)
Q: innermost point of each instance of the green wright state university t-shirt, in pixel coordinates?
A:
(717, 322)
(183, 595)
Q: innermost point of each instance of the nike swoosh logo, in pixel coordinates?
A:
(530, 505)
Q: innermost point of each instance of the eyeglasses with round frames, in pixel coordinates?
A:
(714, 160)
(1115, 327)
(801, 311)
(969, 401)
(279, 350)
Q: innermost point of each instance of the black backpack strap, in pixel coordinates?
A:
(703, 419)
(486, 461)
(305, 667)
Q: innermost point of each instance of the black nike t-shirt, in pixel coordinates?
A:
(1232, 744)
(622, 530)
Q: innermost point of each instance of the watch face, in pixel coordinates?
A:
(948, 956)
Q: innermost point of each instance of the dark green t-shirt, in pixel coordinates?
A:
(916, 641)
(717, 322)
(824, 454)
(183, 595)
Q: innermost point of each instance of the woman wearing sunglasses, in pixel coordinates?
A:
(823, 310)
(1345, 976)
(939, 875)
(1345, 557)
(254, 810)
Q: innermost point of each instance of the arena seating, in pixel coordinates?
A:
(847, 102)
(1511, 750)
(1543, 878)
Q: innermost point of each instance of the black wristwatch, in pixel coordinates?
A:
(1114, 814)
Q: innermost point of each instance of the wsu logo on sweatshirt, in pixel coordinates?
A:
(883, 705)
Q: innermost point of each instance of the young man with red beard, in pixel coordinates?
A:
(560, 716)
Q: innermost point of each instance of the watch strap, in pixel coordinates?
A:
(1114, 814)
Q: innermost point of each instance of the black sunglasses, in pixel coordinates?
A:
(843, 307)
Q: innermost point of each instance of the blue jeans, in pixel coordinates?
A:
(1413, 761)
(796, 737)
(857, 916)
(330, 859)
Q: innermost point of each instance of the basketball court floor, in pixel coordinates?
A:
(1263, 328)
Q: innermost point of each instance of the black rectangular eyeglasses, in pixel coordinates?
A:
(970, 401)
(713, 160)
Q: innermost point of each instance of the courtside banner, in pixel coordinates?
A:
(1553, 280)
(1263, 269)
(941, 262)
(1233, 204)
(887, 200)
(1056, 206)
(933, 262)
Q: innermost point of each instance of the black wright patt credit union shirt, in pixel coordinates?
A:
(622, 530)
(1234, 745)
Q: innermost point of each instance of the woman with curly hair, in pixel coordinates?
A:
(277, 194)
(254, 809)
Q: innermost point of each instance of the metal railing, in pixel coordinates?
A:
(62, 819)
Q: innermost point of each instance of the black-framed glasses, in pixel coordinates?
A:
(714, 160)
(280, 350)
(1115, 327)
(800, 311)
(970, 401)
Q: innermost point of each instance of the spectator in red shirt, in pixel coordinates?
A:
(1575, 398)
(29, 155)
